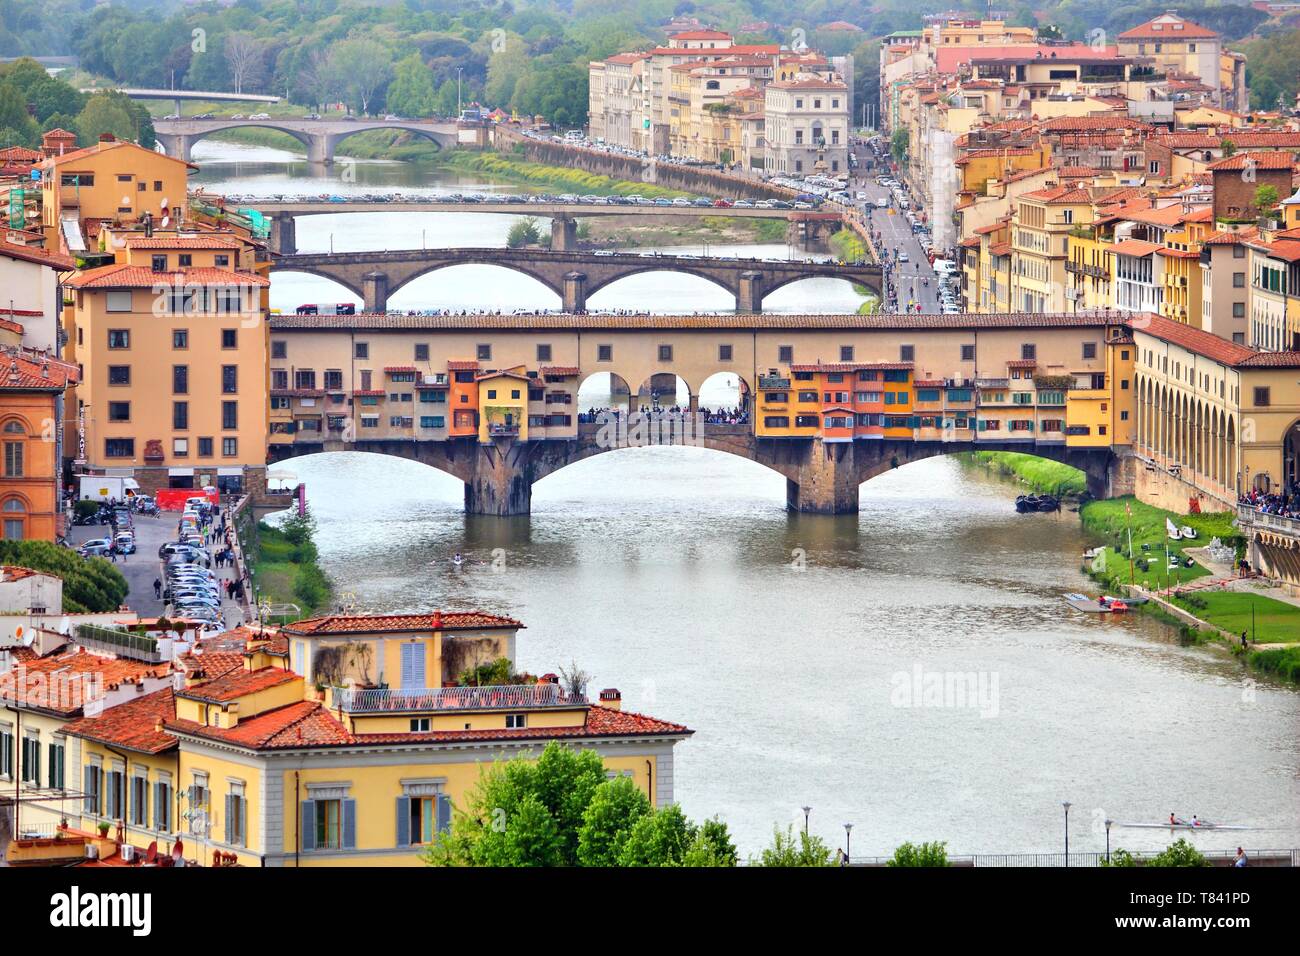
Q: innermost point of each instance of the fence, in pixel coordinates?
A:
(1083, 860)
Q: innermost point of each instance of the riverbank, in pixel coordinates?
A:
(1042, 475)
(286, 569)
(1215, 617)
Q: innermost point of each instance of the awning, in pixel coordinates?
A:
(277, 474)
(180, 472)
(229, 471)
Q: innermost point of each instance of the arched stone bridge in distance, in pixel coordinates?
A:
(821, 477)
(320, 137)
(573, 276)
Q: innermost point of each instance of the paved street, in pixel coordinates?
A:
(144, 567)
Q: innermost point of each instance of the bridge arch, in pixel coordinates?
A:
(439, 139)
(814, 273)
(604, 390)
(596, 285)
(304, 138)
(519, 267)
(349, 287)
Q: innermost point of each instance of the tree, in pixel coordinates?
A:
(1180, 853)
(364, 66)
(1266, 198)
(615, 808)
(14, 116)
(103, 114)
(90, 585)
(243, 55)
(923, 854)
(786, 850)
(524, 232)
(899, 144)
(712, 846)
(658, 838)
(411, 92)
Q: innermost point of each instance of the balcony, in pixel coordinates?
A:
(1250, 519)
(503, 429)
(774, 382)
(992, 383)
(1083, 269)
(492, 697)
(139, 647)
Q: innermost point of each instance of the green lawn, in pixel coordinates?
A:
(1108, 520)
(1275, 621)
(1041, 474)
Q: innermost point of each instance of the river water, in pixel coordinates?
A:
(804, 651)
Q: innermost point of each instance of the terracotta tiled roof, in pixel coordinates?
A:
(124, 276)
(182, 242)
(807, 85)
(462, 365)
(1231, 238)
(133, 725)
(1135, 247)
(1059, 195)
(1194, 340)
(22, 372)
(1272, 360)
(20, 154)
(60, 683)
(400, 368)
(369, 392)
(44, 257)
(302, 724)
(600, 722)
(1260, 160)
(235, 684)
(559, 370)
(850, 366)
(1163, 28)
(1287, 250)
(381, 623)
(1070, 124)
(1000, 249)
(1022, 363)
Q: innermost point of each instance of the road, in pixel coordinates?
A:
(144, 567)
(896, 237)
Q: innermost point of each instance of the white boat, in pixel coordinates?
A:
(1188, 532)
(1174, 533)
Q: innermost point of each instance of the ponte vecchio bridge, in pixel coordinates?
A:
(828, 401)
(573, 276)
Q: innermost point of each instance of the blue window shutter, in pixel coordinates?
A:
(308, 825)
(243, 823)
(403, 821)
(230, 818)
(349, 824)
(158, 799)
(444, 813)
(87, 787)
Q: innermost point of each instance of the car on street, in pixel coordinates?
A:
(96, 548)
(124, 542)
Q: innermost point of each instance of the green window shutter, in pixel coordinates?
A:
(349, 824)
(444, 813)
(403, 821)
(308, 825)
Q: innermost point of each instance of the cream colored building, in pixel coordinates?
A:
(806, 127)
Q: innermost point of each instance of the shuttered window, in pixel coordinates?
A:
(413, 665)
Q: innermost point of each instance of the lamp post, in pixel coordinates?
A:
(459, 71)
(806, 811)
(1066, 804)
(1108, 823)
(848, 836)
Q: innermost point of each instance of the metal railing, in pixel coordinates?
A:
(1260, 519)
(1220, 858)
(492, 697)
(139, 647)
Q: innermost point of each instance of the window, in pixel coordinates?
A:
(724, 353)
(304, 378)
(180, 447)
(56, 769)
(785, 354)
(422, 351)
(180, 339)
(162, 806)
(236, 816)
(229, 379)
(361, 350)
(118, 300)
(846, 353)
(543, 353)
(328, 824)
(180, 416)
(604, 353)
(158, 263)
(31, 768)
(180, 379)
(484, 352)
(119, 338)
(221, 261)
(157, 185)
(665, 353)
(279, 350)
(229, 414)
(1262, 397)
(115, 794)
(516, 721)
(119, 447)
(119, 375)
(13, 458)
(907, 353)
(333, 380)
(229, 447)
(205, 447)
(420, 725)
(229, 338)
(1239, 310)
(1239, 280)
(1089, 350)
(1028, 352)
(184, 260)
(92, 783)
(138, 814)
(968, 353)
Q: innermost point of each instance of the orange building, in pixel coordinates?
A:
(463, 398)
(31, 408)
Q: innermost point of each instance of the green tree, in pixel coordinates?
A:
(524, 232)
(712, 846)
(922, 854)
(658, 838)
(411, 92)
(89, 584)
(1266, 198)
(899, 144)
(615, 807)
(1180, 853)
(104, 113)
(14, 116)
(788, 850)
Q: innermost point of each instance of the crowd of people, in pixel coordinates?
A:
(675, 413)
(1285, 505)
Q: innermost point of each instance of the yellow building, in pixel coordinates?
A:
(1100, 410)
(172, 341)
(1274, 286)
(112, 181)
(1040, 232)
(503, 405)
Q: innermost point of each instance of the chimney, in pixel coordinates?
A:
(436, 624)
(611, 698)
(107, 138)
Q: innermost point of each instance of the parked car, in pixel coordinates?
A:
(96, 548)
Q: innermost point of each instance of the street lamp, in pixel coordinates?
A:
(1108, 823)
(848, 836)
(1066, 804)
(459, 71)
(806, 811)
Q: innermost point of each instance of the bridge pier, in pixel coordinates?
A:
(575, 292)
(374, 289)
(176, 145)
(320, 149)
(826, 480)
(564, 234)
(749, 294)
(284, 234)
(502, 482)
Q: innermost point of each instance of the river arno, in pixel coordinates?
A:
(673, 574)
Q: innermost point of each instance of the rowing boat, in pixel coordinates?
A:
(1185, 826)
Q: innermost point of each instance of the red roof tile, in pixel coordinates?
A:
(1135, 247)
(63, 683)
(38, 255)
(302, 724)
(20, 371)
(124, 276)
(235, 684)
(1257, 160)
(1168, 26)
(133, 725)
(182, 242)
(382, 623)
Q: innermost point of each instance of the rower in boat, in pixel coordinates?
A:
(1176, 821)
(457, 560)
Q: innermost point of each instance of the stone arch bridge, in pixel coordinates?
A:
(320, 137)
(573, 276)
(821, 477)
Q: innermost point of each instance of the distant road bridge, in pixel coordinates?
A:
(563, 215)
(320, 137)
(573, 276)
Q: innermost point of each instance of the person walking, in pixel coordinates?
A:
(1241, 858)
(157, 588)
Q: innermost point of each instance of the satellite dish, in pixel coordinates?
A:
(18, 631)
(28, 639)
(126, 200)
(163, 204)
(178, 851)
(165, 220)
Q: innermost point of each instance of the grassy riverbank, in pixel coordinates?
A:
(1109, 520)
(285, 570)
(1264, 619)
(1042, 475)
(510, 168)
